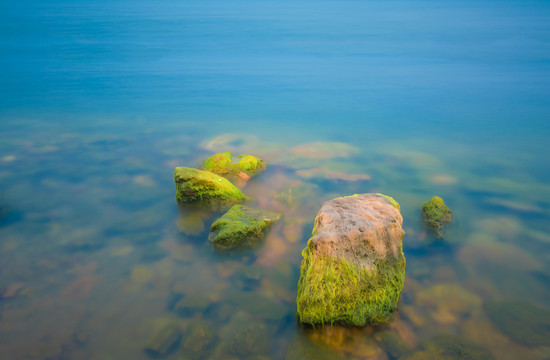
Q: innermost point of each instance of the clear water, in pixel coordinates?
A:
(101, 100)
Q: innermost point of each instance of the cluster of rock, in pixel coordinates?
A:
(353, 267)
(209, 189)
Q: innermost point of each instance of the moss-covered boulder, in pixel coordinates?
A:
(449, 348)
(437, 215)
(240, 168)
(353, 266)
(524, 322)
(241, 227)
(205, 189)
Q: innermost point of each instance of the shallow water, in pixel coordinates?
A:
(101, 100)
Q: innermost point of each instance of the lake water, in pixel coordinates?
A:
(101, 100)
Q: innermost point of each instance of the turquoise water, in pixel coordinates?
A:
(101, 100)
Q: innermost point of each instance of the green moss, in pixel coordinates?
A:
(241, 227)
(337, 291)
(392, 201)
(225, 165)
(436, 215)
(205, 189)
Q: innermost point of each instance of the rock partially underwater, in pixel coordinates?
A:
(450, 348)
(240, 169)
(241, 227)
(353, 267)
(437, 215)
(205, 189)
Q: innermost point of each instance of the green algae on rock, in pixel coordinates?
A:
(205, 189)
(240, 168)
(437, 215)
(241, 227)
(353, 267)
(523, 322)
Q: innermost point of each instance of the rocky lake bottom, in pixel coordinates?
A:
(98, 262)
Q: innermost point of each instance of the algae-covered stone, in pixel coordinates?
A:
(241, 227)
(525, 323)
(198, 343)
(164, 340)
(437, 215)
(241, 168)
(353, 267)
(449, 348)
(205, 189)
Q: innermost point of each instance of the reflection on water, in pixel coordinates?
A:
(98, 262)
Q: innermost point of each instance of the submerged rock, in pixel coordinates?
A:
(241, 227)
(525, 323)
(449, 348)
(353, 267)
(241, 168)
(198, 343)
(436, 215)
(163, 341)
(205, 189)
(253, 340)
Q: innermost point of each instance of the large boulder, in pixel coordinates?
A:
(437, 215)
(205, 189)
(241, 227)
(239, 169)
(353, 266)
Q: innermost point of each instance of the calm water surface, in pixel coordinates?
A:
(101, 100)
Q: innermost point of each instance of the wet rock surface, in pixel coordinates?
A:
(237, 169)
(437, 215)
(353, 267)
(204, 189)
(241, 227)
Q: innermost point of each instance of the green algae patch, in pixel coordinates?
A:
(240, 168)
(353, 267)
(334, 291)
(241, 227)
(205, 189)
(437, 215)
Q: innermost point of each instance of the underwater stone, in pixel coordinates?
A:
(241, 168)
(450, 348)
(198, 343)
(436, 215)
(525, 323)
(241, 227)
(353, 266)
(191, 304)
(164, 340)
(253, 340)
(205, 189)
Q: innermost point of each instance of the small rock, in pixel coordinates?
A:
(12, 290)
(198, 343)
(253, 340)
(191, 305)
(437, 215)
(205, 189)
(163, 341)
(449, 348)
(241, 227)
(238, 169)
